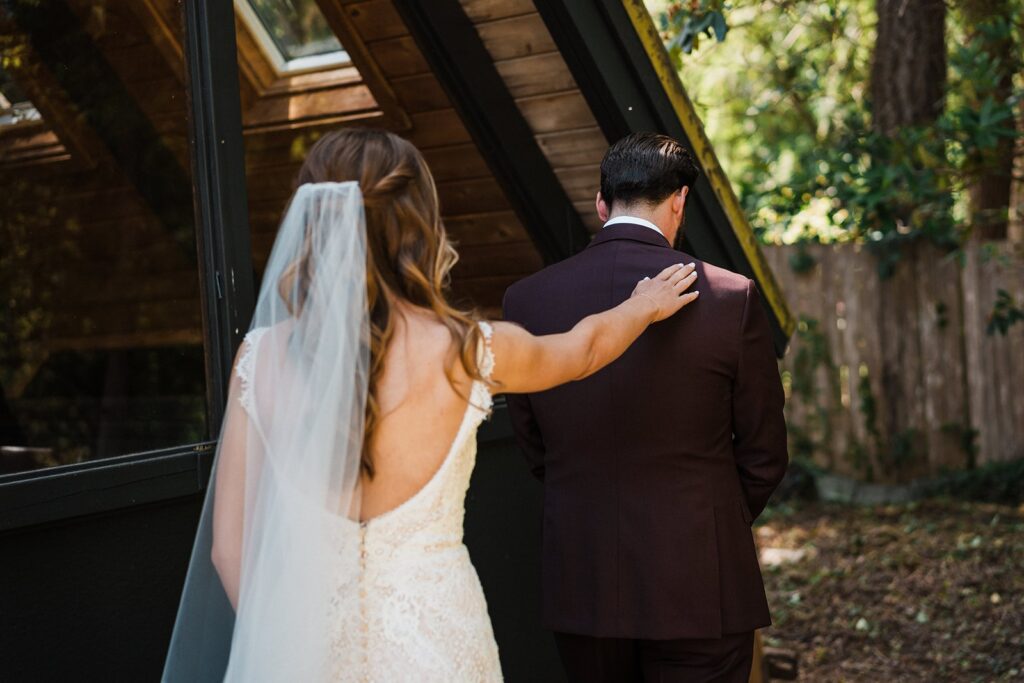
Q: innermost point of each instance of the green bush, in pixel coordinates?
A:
(1001, 482)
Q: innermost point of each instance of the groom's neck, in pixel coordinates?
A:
(660, 215)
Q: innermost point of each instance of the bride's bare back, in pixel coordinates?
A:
(420, 412)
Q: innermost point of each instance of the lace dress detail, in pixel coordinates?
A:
(486, 356)
(418, 611)
(244, 368)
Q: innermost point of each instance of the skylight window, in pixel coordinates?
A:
(294, 34)
(15, 106)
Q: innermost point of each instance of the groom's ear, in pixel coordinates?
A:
(602, 208)
(681, 198)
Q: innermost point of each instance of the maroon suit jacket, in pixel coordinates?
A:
(655, 467)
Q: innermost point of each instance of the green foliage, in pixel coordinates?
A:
(1001, 482)
(699, 18)
(785, 101)
(298, 28)
(858, 456)
(903, 451)
(801, 260)
(869, 410)
(941, 315)
(1005, 314)
(812, 353)
(801, 444)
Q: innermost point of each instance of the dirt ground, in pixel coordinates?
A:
(930, 591)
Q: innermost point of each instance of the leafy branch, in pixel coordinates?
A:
(1005, 314)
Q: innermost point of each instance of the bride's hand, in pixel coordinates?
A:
(668, 289)
(529, 363)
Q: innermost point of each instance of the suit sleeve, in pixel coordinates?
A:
(524, 424)
(759, 428)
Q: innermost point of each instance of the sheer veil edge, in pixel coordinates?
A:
(287, 463)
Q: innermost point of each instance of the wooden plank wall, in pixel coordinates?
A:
(885, 377)
(547, 96)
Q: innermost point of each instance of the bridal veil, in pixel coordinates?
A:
(287, 463)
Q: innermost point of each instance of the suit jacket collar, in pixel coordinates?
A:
(629, 231)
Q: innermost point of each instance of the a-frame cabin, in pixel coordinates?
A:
(147, 148)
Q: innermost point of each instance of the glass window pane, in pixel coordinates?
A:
(101, 345)
(15, 106)
(297, 27)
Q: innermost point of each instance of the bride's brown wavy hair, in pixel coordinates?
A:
(409, 256)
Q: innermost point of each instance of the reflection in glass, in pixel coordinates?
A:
(297, 28)
(15, 106)
(100, 339)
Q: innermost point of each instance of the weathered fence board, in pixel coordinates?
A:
(887, 378)
(995, 363)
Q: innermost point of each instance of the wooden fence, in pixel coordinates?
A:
(891, 379)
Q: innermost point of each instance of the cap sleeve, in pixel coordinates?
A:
(244, 368)
(485, 357)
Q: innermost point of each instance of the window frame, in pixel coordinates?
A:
(226, 290)
(280, 63)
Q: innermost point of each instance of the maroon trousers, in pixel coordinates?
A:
(623, 660)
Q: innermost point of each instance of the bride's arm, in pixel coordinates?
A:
(528, 363)
(229, 493)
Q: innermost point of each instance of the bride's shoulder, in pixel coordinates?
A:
(277, 332)
(247, 349)
(254, 335)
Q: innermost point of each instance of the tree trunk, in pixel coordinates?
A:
(908, 72)
(990, 188)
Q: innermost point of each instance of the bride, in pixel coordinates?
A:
(330, 546)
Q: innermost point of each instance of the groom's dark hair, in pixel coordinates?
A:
(645, 168)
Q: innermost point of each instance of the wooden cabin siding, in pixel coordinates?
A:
(547, 96)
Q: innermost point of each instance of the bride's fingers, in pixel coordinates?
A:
(670, 271)
(682, 274)
(684, 283)
(689, 297)
(683, 300)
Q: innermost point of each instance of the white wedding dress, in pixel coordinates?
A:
(418, 612)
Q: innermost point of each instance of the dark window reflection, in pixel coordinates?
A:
(100, 338)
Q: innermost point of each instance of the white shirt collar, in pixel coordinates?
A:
(637, 221)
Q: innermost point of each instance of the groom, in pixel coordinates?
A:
(655, 467)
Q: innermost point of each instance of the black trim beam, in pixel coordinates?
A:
(614, 72)
(32, 498)
(221, 202)
(451, 45)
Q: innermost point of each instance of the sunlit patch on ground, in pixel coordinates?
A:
(922, 592)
